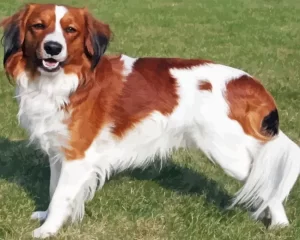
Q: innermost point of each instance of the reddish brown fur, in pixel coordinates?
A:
(249, 104)
(149, 87)
(80, 41)
(107, 98)
(205, 86)
(93, 26)
(91, 106)
(77, 61)
(16, 63)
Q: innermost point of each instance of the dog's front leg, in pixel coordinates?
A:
(55, 168)
(74, 174)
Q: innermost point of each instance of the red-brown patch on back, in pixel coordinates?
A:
(205, 86)
(148, 88)
(109, 98)
(249, 104)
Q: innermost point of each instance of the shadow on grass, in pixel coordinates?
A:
(29, 168)
(186, 181)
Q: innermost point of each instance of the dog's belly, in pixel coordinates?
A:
(154, 136)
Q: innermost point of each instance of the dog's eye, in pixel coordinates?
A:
(70, 30)
(39, 26)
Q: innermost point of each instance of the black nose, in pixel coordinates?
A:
(52, 48)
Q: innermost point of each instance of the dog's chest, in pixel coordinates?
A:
(43, 120)
(42, 114)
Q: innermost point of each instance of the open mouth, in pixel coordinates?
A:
(50, 64)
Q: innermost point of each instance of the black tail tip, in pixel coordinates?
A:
(270, 124)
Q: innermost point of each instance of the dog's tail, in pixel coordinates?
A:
(274, 172)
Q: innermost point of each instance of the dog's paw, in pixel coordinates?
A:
(39, 215)
(264, 215)
(43, 232)
(278, 224)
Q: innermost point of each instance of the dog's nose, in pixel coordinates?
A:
(52, 48)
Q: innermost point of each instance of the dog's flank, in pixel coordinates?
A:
(95, 115)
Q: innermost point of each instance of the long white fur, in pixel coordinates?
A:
(200, 120)
(274, 172)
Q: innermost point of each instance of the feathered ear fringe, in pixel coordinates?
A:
(97, 40)
(14, 32)
(11, 41)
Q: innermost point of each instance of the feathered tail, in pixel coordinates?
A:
(273, 174)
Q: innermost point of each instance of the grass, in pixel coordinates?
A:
(187, 199)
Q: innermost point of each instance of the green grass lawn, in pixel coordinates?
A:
(188, 197)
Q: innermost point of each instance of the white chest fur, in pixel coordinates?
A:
(40, 101)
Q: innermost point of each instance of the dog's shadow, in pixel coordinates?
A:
(185, 181)
(28, 167)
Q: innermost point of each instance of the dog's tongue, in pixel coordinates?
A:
(50, 63)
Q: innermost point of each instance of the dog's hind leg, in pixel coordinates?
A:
(278, 215)
(231, 155)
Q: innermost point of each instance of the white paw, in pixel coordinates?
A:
(278, 225)
(43, 232)
(39, 215)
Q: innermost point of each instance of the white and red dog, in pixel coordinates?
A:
(95, 114)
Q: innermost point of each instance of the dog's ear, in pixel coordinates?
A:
(14, 32)
(97, 38)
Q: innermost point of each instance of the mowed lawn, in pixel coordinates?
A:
(187, 198)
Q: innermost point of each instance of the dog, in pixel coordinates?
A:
(95, 115)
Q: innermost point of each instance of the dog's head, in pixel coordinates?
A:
(47, 39)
